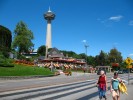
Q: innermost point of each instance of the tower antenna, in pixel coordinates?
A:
(49, 9)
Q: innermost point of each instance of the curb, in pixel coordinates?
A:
(24, 77)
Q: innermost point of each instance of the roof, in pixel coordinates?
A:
(55, 53)
(41, 57)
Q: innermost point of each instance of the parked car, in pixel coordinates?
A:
(131, 70)
(120, 72)
(125, 71)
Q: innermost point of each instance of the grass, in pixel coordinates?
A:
(21, 70)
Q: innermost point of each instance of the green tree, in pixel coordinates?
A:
(23, 38)
(102, 59)
(91, 60)
(123, 65)
(82, 56)
(41, 50)
(5, 41)
(2, 57)
(69, 53)
(115, 56)
(5, 38)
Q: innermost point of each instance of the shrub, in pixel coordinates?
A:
(6, 65)
(21, 70)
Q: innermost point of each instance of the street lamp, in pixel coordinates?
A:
(86, 46)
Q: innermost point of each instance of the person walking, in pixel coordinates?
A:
(114, 87)
(102, 85)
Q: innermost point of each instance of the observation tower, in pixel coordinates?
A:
(49, 16)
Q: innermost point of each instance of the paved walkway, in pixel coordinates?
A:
(130, 93)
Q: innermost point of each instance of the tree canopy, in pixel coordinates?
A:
(102, 59)
(115, 56)
(5, 39)
(22, 38)
(41, 50)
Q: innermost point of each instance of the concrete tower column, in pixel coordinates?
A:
(48, 36)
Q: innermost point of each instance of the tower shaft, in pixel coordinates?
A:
(49, 16)
(48, 36)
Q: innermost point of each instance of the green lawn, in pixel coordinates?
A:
(21, 70)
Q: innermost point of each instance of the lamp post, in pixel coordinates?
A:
(86, 46)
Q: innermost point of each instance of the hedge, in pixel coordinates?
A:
(6, 65)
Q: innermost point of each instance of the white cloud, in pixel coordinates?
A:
(130, 55)
(131, 23)
(116, 18)
(84, 41)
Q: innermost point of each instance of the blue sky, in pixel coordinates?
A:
(103, 24)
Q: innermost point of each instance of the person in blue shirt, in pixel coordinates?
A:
(114, 87)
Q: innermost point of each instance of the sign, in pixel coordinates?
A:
(129, 60)
(129, 66)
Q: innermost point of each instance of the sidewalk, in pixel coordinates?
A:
(130, 93)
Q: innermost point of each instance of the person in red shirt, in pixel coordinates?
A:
(102, 85)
